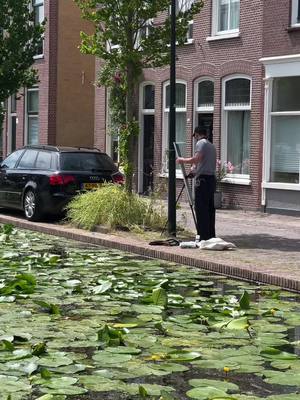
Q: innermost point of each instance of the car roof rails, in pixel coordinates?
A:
(61, 148)
(88, 148)
(43, 147)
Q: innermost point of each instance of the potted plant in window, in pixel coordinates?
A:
(222, 169)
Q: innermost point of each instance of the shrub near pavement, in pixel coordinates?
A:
(112, 206)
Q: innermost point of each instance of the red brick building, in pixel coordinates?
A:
(219, 85)
(59, 110)
(281, 59)
(241, 57)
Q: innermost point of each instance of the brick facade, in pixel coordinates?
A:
(66, 91)
(216, 60)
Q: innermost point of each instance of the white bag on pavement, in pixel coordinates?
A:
(215, 244)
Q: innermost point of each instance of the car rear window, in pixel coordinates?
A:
(95, 162)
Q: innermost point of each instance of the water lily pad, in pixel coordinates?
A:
(107, 358)
(222, 385)
(206, 393)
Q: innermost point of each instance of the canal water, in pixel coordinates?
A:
(83, 322)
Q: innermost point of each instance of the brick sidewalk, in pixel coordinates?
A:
(268, 245)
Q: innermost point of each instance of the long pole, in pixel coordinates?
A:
(172, 128)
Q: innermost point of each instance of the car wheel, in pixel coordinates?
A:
(32, 207)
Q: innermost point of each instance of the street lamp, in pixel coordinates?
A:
(172, 128)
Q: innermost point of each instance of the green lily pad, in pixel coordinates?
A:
(206, 393)
(107, 358)
(222, 385)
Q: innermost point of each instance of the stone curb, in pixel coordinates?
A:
(143, 249)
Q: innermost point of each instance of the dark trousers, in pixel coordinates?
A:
(204, 206)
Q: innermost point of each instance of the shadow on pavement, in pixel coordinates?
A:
(267, 242)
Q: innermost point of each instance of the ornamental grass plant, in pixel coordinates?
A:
(114, 207)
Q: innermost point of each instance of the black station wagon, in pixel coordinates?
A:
(42, 179)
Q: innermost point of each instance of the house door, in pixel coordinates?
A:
(148, 151)
(206, 120)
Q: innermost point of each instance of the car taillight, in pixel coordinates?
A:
(118, 179)
(55, 180)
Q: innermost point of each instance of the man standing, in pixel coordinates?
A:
(204, 170)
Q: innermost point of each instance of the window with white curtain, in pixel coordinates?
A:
(180, 121)
(39, 16)
(237, 109)
(295, 12)
(32, 116)
(226, 16)
(183, 6)
(285, 131)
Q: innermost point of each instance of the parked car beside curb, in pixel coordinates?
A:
(42, 180)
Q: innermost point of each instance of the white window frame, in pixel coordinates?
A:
(35, 4)
(197, 109)
(184, 5)
(30, 115)
(203, 110)
(276, 67)
(10, 113)
(147, 26)
(295, 14)
(240, 179)
(216, 33)
(165, 144)
(142, 111)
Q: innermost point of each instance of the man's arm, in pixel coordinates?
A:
(191, 160)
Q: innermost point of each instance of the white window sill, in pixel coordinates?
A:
(237, 181)
(281, 186)
(189, 41)
(38, 57)
(223, 36)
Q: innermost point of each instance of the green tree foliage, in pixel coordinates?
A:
(19, 41)
(129, 37)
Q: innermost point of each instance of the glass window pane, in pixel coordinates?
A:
(183, 5)
(237, 92)
(223, 15)
(87, 162)
(238, 143)
(206, 94)
(285, 149)
(43, 160)
(33, 130)
(286, 94)
(180, 95)
(234, 14)
(11, 160)
(149, 92)
(33, 101)
(180, 135)
(28, 159)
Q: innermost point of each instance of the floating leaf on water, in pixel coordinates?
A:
(204, 393)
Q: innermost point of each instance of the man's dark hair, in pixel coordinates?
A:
(200, 130)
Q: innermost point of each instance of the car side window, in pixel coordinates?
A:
(28, 159)
(43, 160)
(11, 160)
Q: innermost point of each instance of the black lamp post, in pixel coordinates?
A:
(172, 128)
